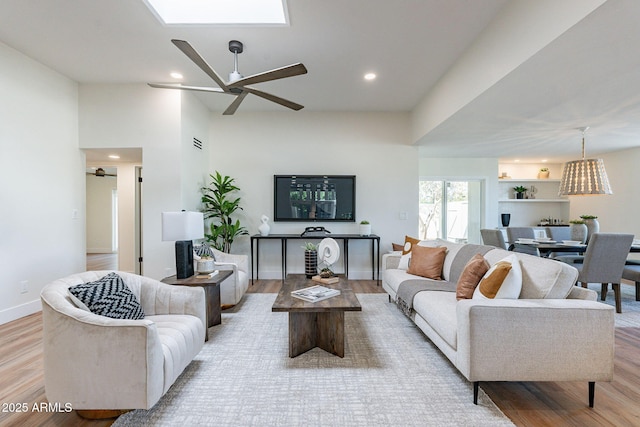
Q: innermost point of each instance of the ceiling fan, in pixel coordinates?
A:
(101, 172)
(237, 84)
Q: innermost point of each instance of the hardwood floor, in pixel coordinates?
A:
(526, 404)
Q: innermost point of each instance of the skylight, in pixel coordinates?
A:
(220, 12)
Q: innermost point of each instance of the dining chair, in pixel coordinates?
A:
(604, 262)
(559, 234)
(493, 237)
(515, 233)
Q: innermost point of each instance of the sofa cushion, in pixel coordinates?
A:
(427, 262)
(473, 272)
(503, 280)
(438, 309)
(108, 296)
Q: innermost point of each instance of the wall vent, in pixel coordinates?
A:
(197, 143)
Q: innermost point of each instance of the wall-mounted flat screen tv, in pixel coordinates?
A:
(314, 197)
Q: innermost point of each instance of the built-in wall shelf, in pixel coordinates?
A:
(533, 200)
(528, 180)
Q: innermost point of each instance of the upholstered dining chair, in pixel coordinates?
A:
(604, 262)
(515, 233)
(493, 237)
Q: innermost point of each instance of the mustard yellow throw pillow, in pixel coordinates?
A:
(503, 280)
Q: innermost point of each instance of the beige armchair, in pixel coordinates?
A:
(99, 363)
(232, 289)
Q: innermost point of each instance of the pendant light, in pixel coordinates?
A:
(584, 177)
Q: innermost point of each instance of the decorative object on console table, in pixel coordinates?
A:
(310, 259)
(183, 227)
(520, 190)
(264, 228)
(593, 226)
(365, 228)
(505, 218)
(578, 230)
(544, 173)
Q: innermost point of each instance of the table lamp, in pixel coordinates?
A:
(183, 227)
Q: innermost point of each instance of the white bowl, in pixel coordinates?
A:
(572, 242)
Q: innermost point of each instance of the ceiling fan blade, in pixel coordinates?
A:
(235, 104)
(278, 73)
(191, 53)
(273, 98)
(184, 87)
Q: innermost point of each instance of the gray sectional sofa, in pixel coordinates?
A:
(555, 331)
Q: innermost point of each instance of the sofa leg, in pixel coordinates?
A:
(389, 296)
(592, 392)
(637, 291)
(603, 292)
(476, 385)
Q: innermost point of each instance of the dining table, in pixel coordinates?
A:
(546, 247)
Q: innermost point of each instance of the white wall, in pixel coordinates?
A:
(139, 116)
(43, 182)
(99, 213)
(252, 147)
(617, 213)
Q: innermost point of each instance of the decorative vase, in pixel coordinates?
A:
(543, 174)
(310, 263)
(264, 228)
(593, 226)
(365, 229)
(205, 265)
(578, 232)
(505, 218)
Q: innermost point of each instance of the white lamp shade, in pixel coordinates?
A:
(584, 177)
(182, 226)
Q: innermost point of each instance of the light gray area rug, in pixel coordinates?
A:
(391, 375)
(630, 316)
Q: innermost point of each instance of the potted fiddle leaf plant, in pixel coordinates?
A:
(220, 206)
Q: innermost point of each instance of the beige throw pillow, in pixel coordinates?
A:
(473, 272)
(427, 262)
(503, 280)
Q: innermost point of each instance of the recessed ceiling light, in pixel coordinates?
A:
(114, 156)
(176, 75)
(370, 76)
(264, 12)
(517, 160)
(544, 160)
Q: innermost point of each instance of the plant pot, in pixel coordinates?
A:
(593, 226)
(578, 232)
(543, 175)
(365, 229)
(519, 195)
(310, 263)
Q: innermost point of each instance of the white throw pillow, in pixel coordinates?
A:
(503, 280)
(404, 261)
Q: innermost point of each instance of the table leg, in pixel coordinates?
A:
(283, 246)
(214, 313)
(346, 257)
(319, 329)
(252, 239)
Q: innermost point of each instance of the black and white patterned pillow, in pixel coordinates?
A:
(110, 297)
(204, 250)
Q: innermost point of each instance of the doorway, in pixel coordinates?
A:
(451, 210)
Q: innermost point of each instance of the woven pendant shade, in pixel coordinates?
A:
(584, 177)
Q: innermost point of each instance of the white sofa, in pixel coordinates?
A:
(99, 363)
(555, 331)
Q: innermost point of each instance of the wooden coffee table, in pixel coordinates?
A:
(315, 324)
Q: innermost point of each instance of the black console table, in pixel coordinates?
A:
(284, 238)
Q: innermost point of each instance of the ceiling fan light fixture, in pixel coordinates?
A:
(100, 172)
(584, 177)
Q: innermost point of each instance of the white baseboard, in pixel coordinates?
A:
(22, 310)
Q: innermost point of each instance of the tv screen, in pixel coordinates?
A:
(314, 197)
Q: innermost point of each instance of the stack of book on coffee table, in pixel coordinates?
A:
(315, 293)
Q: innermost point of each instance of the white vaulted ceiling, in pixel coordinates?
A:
(523, 100)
